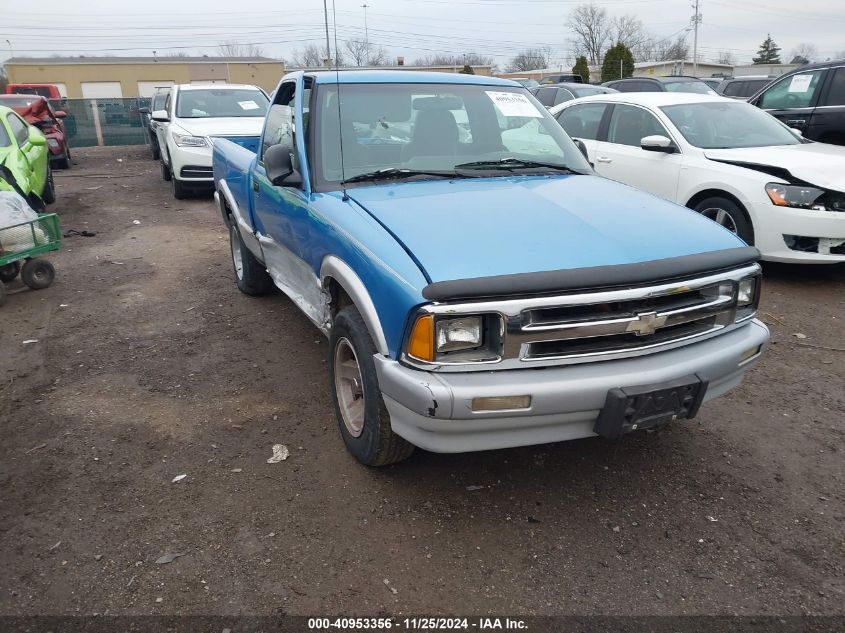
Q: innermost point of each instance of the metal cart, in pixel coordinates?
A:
(20, 247)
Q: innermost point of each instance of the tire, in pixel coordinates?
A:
(251, 276)
(38, 273)
(49, 193)
(156, 153)
(2, 293)
(180, 190)
(9, 272)
(165, 171)
(64, 161)
(729, 214)
(359, 407)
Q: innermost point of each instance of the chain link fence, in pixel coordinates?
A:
(100, 122)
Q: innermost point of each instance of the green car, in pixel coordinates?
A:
(24, 153)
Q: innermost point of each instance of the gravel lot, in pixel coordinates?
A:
(150, 364)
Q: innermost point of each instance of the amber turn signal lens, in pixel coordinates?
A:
(421, 343)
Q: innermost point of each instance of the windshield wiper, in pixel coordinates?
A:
(396, 172)
(516, 163)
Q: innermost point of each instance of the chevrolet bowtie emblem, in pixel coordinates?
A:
(646, 323)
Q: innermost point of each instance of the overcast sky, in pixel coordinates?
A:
(413, 28)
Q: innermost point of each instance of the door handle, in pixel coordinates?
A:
(255, 186)
(603, 159)
(796, 121)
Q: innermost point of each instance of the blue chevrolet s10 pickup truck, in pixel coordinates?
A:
(480, 286)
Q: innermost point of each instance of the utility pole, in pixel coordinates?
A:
(328, 43)
(365, 6)
(696, 20)
(620, 69)
(11, 50)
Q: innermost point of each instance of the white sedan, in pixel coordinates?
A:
(192, 117)
(725, 159)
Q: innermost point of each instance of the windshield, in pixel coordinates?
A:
(435, 127)
(220, 102)
(589, 91)
(727, 125)
(17, 102)
(698, 87)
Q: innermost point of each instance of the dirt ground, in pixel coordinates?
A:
(149, 364)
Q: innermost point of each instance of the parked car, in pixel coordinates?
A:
(552, 95)
(559, 78)
(446, 273)
(725, 159)
(525, 81)
(157, 102)
(661, 84)
(48, 91)
(810, 99)
(36, 111)
(743, 87)
(23, 151)
(193, 117)
(713, 82)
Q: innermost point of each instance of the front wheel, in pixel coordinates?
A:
(165, 171)
(9, 272)
(49, 193)
(729, 214)
(38, 273)
(359, 407)
(180, 190)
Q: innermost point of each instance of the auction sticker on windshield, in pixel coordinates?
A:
(513, 104)
(248, 105)
(800, 83)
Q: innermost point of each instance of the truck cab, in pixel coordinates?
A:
(477, 292)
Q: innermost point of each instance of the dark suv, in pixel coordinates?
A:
(677, 83)
(554, 94)
(810, 99)
(560, 78)
(743, 87)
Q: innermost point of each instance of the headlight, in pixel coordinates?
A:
(186, 140)
(457, 334)
(747, 297)
(455, 339)
(796, 196)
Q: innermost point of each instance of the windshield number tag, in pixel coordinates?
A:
(800, 83)
(248, 105)
(513, 104)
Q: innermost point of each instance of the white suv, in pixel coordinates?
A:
(192, 117)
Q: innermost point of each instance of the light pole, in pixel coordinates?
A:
(365, 6)
(11, 50)
(696, 20)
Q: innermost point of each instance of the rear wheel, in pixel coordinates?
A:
(64, 161)
(729, 214)
(154, 149)
(38, 273)
(49, 193)
(250, 274)
(359, 407)
(2, 293)
(9, 272)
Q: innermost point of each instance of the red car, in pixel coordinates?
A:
(36, 111)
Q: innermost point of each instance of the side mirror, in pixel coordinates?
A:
(160, 116)
(581, 147)
(278, 163)
(36, 137)
(144, 110)
(60, 114)
(658, 143)
(796, 132)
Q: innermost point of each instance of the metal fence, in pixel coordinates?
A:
(91, 122)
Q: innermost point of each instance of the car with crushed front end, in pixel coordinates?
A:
(475, 295)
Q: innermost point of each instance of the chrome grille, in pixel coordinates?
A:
(581, 326)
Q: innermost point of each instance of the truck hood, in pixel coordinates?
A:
(819, 164)
(483, 227)
(223, 126)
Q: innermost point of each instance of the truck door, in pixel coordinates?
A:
(281, 213)
(793, 99)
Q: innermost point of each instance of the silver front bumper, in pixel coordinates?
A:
(433, 410)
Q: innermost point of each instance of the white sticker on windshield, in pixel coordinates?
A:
(248, 105)
(800, 83)
(514, 104)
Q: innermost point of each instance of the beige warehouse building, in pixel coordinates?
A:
(122, 77)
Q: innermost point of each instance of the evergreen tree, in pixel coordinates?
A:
(769, 52)
(581, 68)
(618, 63)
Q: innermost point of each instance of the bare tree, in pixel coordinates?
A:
(363, 54)
(233, 49)
(804, 53)
(530, 59)
(669, 50)
(472, 59)
(378, 56)
(726, 57)
(592, 29)
(629, 30)
(313, 56)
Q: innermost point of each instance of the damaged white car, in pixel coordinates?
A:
(728, 160)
